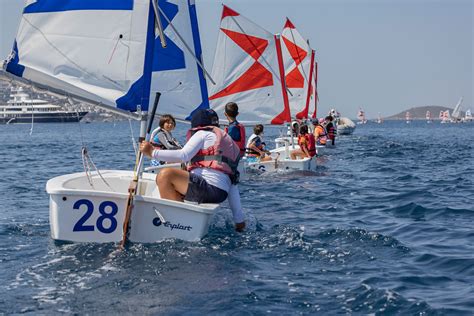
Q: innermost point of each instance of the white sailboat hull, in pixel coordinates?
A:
(345, 126)
(284, 165)
(82, 213)
(281, 162)
(281, 141)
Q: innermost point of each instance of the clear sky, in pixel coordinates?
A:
(382, 55)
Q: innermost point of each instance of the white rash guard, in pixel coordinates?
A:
(202, 140)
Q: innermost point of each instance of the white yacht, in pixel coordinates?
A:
(21, 109)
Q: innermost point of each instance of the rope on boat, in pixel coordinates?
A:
(134, 143)
(87, 160)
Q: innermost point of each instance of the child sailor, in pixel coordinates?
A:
(256, 146)
(306, 143)
(211, 176)
(162, 138)
(235, 130)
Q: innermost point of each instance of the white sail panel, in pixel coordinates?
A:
(176, 74)
(457, 110)
(296, 54)
(95, 49)
(247, 71)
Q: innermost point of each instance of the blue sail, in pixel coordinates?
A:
(176, 74)
(101, 50)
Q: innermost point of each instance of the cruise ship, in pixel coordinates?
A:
(21, 109)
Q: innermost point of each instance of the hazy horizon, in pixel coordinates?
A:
(384, 56)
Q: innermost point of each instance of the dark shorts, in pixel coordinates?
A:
(202, 192)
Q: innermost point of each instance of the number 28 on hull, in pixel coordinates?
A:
(80, 213)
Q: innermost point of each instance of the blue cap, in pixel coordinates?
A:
(204, 117)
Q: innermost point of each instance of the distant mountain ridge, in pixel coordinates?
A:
(419, 113)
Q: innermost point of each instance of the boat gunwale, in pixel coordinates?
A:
(54, 186)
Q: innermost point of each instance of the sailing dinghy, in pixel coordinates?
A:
(456, 115)
(345, 126)
(248, 69)
(300, 78)
(105, 53)
(408, 117)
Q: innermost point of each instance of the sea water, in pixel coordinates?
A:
(383, 226)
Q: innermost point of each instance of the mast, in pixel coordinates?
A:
(309, 92)
(285, 116)
(316, 94)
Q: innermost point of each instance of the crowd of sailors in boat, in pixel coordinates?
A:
(212, 155)
(309, 134)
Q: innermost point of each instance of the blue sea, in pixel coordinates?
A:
(384, 226)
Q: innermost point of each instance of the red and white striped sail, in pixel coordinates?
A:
(298, 61)
(248, 70)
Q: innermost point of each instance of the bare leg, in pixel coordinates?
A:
(172, 183)
(297, 153)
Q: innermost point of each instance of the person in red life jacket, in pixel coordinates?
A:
(235, 129)
(320, 134)
(256, 147)
(331, 129)
(306, 143)
(211, 176)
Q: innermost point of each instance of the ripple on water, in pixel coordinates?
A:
(383, 226)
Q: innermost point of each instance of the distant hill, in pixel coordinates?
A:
(419, 113)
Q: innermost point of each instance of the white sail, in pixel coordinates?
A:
(361, 117)
(445, 117)
(457, 110)
(248, 70)
(94, 49)
(428, 116)
(176, 74)
(298, 62)
(379, 118)
(468, 115)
